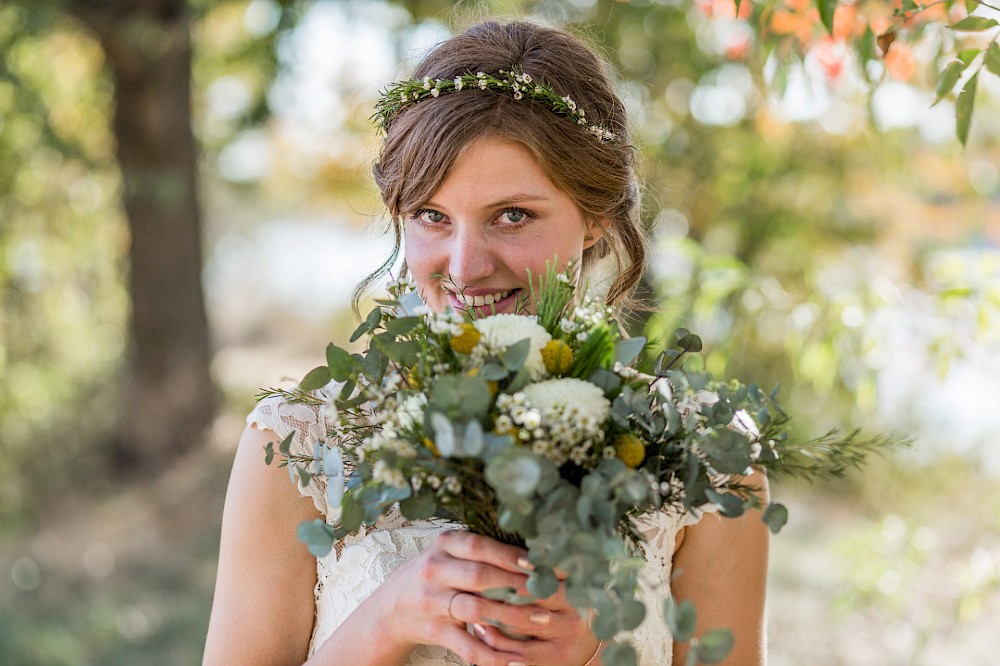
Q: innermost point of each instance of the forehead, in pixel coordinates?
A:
(489, 168)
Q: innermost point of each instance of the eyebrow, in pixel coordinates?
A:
(506, 201)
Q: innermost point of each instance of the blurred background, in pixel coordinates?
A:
(185, 206)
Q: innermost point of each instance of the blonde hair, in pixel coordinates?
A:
(424, 139)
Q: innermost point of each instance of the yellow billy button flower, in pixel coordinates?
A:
(557, 357)
(630, 449)
(465, 342)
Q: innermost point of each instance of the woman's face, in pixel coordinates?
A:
(495, 217)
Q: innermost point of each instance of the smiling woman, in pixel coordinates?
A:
(495, 217)
(508, 149)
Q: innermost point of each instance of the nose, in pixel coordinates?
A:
(470, 256)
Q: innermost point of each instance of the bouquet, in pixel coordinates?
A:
(538, 431)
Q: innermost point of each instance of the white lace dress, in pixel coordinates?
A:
(361, 562)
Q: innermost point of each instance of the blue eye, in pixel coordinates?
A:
(428, 216)
(515, 215)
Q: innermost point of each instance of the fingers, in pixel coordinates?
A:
(475, 651)
(531, 620)
(573, 648)
(467, 546)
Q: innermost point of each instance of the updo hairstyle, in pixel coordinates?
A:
(425, 139)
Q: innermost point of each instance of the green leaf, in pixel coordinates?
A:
(949, 77)
(728, 451)
(680, 618)
(974, 24)
(351, 516)
(627, 351)
(689, 342)
(968, 55)
(403, 325)
(714, 645)
(492, 372)
(631, 614)
(340, 362)
(971, 5)
(286, 443)
(738, 3)
(316, 378)
(775, 516)
(374, 318)
(827, 8)
(269, 453)
(419, 506)
(964, 107)
(618, 654)
(375, 365)
(317, 535)
(992, 60)
(542, 583)
(516, 355)
(730, 505)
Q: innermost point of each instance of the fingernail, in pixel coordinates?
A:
(540, 617)
(525, 563)
(479, 629)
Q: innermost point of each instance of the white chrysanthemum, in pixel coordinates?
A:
(503, 330)
(565, 394)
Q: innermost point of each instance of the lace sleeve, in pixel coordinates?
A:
(283, 417)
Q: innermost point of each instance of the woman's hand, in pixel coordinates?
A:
(431, 598)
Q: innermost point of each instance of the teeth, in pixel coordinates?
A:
(487, 299)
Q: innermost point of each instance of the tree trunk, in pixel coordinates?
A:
(171, 397)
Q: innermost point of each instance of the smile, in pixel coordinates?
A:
(482, 299)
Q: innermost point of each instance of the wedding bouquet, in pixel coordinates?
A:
(536, 430)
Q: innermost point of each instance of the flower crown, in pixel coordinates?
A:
(399, 95)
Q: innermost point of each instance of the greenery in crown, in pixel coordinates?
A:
(538, 431)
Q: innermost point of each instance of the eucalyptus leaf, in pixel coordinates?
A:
(403, 325)
(493, 372)
(373, 319)
(775, 516)
(618, 654)
(542, 583)
(714, 645)
(680, 618)
(631, 614)
(444, 434)
(317, 535)
(626, 351)
(269, 453)
(375, 365)
(515, 355)
(730, 505)
(729, 451)
(340, 361)
(286, 443)
(472, 440)
(315, 379)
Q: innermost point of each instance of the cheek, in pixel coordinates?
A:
(422, 259)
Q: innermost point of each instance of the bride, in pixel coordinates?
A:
(511, 148)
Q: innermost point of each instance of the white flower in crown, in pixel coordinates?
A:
(570, 103)
(482, 84)
(503, 330)
(526, 78)
(435, 92)
(560, 395)
(458, 83)
(427, 83)
(518, 95)
(480, 75)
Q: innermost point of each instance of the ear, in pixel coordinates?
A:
(595, 231)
